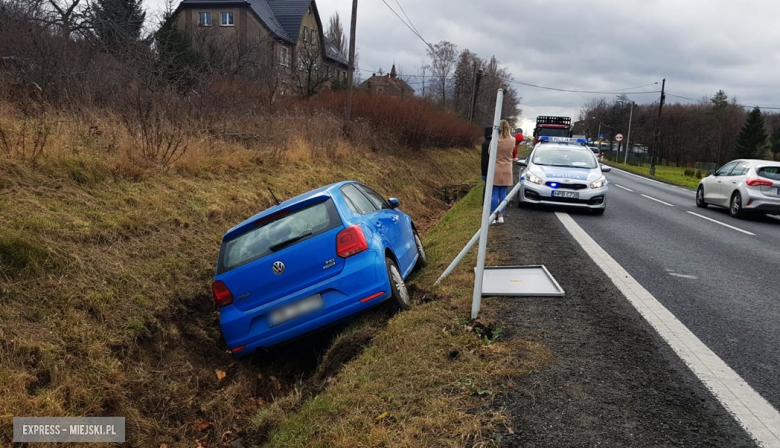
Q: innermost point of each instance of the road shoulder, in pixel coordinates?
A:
(614, 382)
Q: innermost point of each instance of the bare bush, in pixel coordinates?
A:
(25, 137)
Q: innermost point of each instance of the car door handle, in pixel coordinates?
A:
(733, 181)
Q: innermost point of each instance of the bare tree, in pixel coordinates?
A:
(443, 57)
(335, 35)
(310, 74)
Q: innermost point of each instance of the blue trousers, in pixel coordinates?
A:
(499, 194)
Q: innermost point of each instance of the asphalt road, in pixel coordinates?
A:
(720, 281)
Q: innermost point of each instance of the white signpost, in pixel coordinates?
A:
(502, 280)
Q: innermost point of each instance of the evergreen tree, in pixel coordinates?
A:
(177, 61)
(775, 142)
(116, 23)
(751, 142)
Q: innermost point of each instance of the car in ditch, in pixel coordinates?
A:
(312, 261)
(745, 186)
(563, 172)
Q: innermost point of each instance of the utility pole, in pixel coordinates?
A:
(351, 70)
(628, 137)
(657, 141)
(477, 79)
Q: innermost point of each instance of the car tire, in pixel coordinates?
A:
(700, 197)
(399, 296)
(735, 206)
(422, 259)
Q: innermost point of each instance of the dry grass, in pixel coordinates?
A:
(105, 264)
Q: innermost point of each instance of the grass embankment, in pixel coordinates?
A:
(684, 177)
(105, 265)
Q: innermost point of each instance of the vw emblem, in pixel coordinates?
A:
(278, 267)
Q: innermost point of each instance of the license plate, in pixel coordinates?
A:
(566, 194)
(296, 309)
(778, 191)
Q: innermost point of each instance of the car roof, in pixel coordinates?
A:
(327, 190)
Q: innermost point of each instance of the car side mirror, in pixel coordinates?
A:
(394, 203)
(712, 172)
(522, 162)
(605, 168)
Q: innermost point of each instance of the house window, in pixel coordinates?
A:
(204, 19)
(305, 34)
(284, 56)
(312, 35)
(227, 19)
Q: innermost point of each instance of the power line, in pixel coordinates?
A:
(597, 92)
(407, 25)
(740, 105)
(407, 17)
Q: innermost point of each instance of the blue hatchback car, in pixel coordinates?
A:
(311, 261)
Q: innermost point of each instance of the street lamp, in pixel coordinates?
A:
(628, 137)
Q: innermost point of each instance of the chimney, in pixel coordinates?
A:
(393, 73)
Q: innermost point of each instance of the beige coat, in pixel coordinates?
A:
(503, 176)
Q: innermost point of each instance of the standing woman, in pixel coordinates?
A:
(503, 176)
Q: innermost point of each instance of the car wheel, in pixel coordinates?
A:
(599, 211)
(422, 259)
(399, 296)
(736, 206)
(700, 197)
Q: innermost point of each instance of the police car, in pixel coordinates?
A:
(564, 172)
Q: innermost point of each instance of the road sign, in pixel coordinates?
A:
(619, 137)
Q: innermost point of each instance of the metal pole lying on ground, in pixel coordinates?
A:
(475, 238)
(476, 300)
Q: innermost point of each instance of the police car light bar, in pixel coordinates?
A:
(547, 138)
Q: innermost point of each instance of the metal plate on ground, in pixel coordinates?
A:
(519, 281)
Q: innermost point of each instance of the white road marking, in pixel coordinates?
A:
(620, 186)
(657, 200)
(692, 277)
(723, 224)
(751, 410)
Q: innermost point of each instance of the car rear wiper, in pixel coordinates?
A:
(286, 243)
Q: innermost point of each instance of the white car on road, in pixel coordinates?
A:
(744, 186)
(564, 172)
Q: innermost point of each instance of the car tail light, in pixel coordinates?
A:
(222, 295)
(759, 182)
(350, 241)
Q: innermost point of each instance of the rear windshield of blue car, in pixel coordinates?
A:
(277, 234)
(770, 172)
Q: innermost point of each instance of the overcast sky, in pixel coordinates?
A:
(699, 46)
